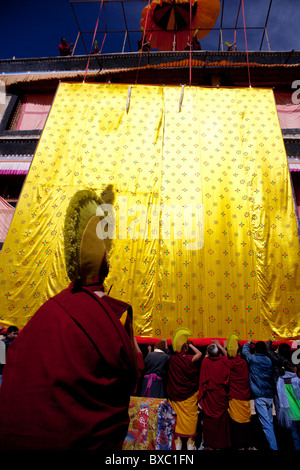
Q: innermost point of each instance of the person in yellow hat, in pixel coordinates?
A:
(213, 397)
(182, 391)
(239, 408)
(68, 379)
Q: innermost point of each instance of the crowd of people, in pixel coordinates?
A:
(212, 392)
(70, 372)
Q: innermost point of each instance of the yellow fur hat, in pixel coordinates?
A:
(180, 336)
(232, 344)
(84, 250)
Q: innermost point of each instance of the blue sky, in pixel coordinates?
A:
(33, 28)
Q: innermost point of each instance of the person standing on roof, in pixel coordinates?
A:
(64, 48)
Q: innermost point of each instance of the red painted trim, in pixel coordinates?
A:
(196, 341)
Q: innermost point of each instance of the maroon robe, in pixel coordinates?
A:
(183, 377)
(239, 389)
(68, 377)
(214, 386)
(239, 379)
(213, 399)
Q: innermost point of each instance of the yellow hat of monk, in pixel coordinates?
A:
(180, 337)
(84, 249)
(232, 344)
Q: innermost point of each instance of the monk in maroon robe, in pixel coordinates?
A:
(68, 377)
(182, 391)
(213, 398)
(239, 402)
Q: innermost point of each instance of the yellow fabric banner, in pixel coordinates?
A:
(206, 234)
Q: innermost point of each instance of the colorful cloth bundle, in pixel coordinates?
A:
(152, 424)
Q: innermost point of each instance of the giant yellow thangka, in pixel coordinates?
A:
(205, 233)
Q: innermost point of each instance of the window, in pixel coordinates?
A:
(31, 112)
(288, 112)
(11, 187)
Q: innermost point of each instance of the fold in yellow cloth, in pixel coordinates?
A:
(240, 410)
(187, 416)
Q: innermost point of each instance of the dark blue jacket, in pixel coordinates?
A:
(260, 373)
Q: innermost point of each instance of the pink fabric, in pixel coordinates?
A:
(35, 110)
(13, 172)
(288, 112)
(14, 167)
(6, 214)
(150, 377)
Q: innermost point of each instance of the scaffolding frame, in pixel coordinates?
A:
(127, 32)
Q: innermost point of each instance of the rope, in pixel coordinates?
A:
(248, 66)
(238, 14)
(190, 71)
(143, 40)
(128, 98)
(105, 30)
(181, 97)
(102, 43)
(88, 63)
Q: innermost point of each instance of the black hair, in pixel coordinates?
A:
(12, 329)
(260, 347)
(284, 350)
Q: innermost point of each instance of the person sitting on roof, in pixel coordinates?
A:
(143, 44)
(96, 48)
(195, 45)
(231, 47)
(64, 48)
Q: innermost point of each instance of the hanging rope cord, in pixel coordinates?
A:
(237, 17)
(104, 37)
(143, 41)
(248, 66)
(190, 67)
(96, 27)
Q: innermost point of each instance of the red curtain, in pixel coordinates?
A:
(34, 112)
(288, 111)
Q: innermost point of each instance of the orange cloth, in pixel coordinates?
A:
(187, 416)
(240, 410)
